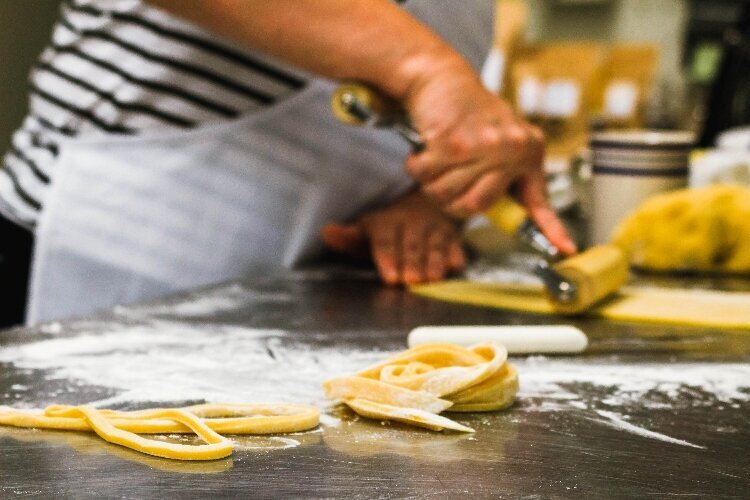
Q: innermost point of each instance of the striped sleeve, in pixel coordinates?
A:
(122, 67)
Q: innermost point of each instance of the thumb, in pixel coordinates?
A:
(349, 239)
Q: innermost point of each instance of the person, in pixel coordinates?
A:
(176, 144)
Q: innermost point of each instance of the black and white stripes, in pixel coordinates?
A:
(122, 67)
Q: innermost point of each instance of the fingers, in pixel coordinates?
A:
(470, 162)
(480, 196)
(546, 219)
(453, 183)
(349, 239)
(441, 156)
(532, 191)
(437, 262)
(386, 250)
(470, 189)
(412, 254)
(456, 255)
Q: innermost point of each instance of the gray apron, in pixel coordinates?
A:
(129, 219)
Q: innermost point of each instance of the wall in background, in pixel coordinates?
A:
(662, 22)
(25, 27)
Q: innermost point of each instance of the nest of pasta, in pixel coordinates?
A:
(416, 385)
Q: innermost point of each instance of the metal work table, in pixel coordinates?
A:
(567, 438)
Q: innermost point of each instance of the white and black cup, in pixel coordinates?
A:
(629, 166)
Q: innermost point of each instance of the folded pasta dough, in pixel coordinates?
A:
(496, 393)
(698, 229)
(417, 384)
(346, 388)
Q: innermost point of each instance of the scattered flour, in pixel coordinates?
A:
(329, 421)
(511, 273)
(617, 422)
(263, 443)
(582, 382)
(159, 361)
(208, 303)
(165, 361)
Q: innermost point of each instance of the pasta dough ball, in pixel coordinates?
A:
(706, 229)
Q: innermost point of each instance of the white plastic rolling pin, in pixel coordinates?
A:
(551, 339)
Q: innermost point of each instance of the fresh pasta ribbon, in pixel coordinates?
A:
(208, 421)
(216, 445)
(418, 384)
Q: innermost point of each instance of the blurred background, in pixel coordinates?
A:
(573, 67)
(25, 28)
(635, 63)
(577, 66)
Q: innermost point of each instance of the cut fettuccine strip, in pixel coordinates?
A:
(412, 416)
(346, 388)
(222, 418)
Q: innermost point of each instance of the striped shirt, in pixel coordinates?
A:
(122, 67)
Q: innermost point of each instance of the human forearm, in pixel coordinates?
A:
(476, 148)
(374, 41)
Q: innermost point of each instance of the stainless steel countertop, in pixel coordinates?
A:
(522, 452)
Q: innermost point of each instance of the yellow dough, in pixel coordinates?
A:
(208, 421)
(706, 229)
(728, 310)
(413, 416)
(417, 384)
(216, 446)
(495, 393)
(90, 444)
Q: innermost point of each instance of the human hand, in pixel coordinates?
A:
(476, 147)
(411, 241)
(476, 150)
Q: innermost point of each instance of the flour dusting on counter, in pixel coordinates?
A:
(165, 361)
(171, 361)
(557, 383)
(511, 273)
(618, 422)
(263, 443)
(206, 303)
